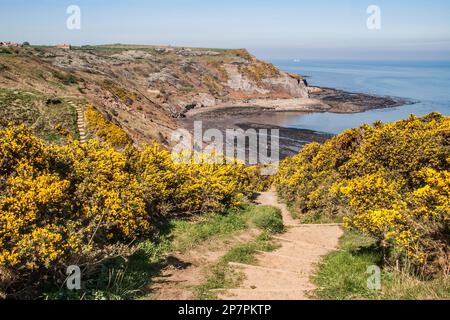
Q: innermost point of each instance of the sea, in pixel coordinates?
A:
(425, 83)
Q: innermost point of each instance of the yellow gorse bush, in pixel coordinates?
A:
(389, 181)
(77, 204)
(191, 186)
(104, 129)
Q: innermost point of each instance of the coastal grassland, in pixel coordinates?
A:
(29, 73)
(188, 235)
(115, 48)
(6, 51)
(54, 120)
(269, 219)
(343, 275)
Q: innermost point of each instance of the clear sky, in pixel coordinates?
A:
(410, 29)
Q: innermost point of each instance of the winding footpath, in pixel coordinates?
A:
(285, 273)
(81, 124)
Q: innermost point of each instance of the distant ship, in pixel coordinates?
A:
(296, 60)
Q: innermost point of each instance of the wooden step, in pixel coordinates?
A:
(306, 243)
(249, 266)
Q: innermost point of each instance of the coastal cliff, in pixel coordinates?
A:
(146, 90)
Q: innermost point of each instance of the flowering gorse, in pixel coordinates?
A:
(79, 203)
(389, 181)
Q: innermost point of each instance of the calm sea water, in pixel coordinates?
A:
(425, 82)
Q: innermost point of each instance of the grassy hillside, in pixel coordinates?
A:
(344, 274)
(144, 89)
(52, 119)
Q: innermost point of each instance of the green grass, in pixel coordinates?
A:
(292, 211)
(129, 279)
(268, 218)
(343, 275)
(52, 122)
(222, 276)
(188, 234)
(120, 278)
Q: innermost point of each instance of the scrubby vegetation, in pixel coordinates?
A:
(260, 71)
(115, 210)
(131, 278)
(51, 119)
(86, 204)
(388, 181)
(120, 93)
(65, 78)
(105, 130)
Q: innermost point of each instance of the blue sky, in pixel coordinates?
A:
(414, 29)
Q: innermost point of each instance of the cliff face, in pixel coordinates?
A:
(144, 89)
(268, 86)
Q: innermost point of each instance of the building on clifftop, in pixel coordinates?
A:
(64, 46)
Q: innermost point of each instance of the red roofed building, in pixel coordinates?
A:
(64, 46)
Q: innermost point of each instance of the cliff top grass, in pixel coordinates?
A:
(120, 46)
(52, 119)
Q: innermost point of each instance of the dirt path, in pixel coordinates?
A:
(184, 271)
(81, 125)
(285, 273)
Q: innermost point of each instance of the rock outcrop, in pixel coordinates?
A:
(144, 88)
(239, 82)
(295, 87)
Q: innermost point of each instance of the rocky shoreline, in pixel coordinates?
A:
(348, 102)
(291, 140)
(320, 100)
(149, 91)
(239, 115)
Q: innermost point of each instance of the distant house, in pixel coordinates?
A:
(64, 46)
(9, 44)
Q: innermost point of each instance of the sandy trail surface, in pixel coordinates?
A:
(280, 275)
(285, 274)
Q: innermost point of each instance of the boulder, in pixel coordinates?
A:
(206, 100)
